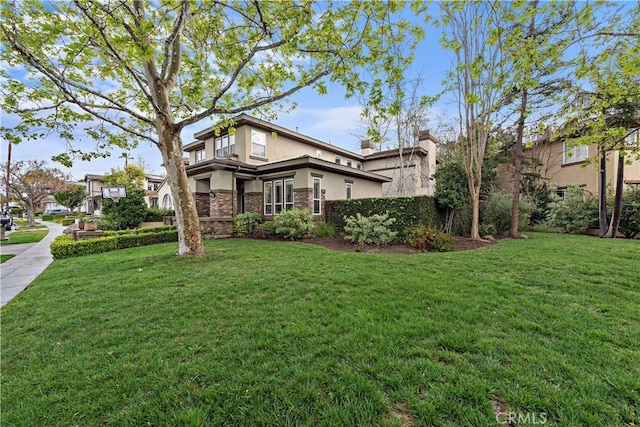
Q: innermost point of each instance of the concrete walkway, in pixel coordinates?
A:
(29, 261)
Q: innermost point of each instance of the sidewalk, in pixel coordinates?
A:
(31, 259)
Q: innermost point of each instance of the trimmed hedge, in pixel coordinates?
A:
(408, 211)
(157, 215)
(65, 247)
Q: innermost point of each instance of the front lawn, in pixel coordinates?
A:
(30, 236)
(5, 257)
(278, 333)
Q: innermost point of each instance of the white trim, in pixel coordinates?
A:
(288, 203)
(349, 194)
(574, 154)
(317, 197)
(259, 139)
(268, 203)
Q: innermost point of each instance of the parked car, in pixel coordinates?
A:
(7, 220)
(56, 212)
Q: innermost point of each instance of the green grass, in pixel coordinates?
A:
(270, 333)
(31, 236)
(5, 257)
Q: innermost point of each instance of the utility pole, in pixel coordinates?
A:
(6, 187)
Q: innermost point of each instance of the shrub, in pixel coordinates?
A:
(131, 209)
(66, 247)
(575, 213)
(294, 223)
(496, 211)
(244, 224)
(408, 211)
(325, 229)
(157, 215)
(630, 215)
(371, 230)
(67, 221)
(429, 238)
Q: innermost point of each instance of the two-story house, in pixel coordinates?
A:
(95, 183)
(566, 165)
(258, 166)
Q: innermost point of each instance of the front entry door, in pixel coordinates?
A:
(240, 195)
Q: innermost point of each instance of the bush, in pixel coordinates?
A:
(408, 211)
(428, 238)
(496, 211)
(294, 223)
(131, 209)
(325, 229)
(630, 215)
(244, 224)
(66, 247)
(157, 215)
(371, 230)
(67, 221)
(575, 213)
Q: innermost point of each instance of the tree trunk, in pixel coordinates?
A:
(189, 234)
(30, 214)
(475, 217)
(6, 187)
(617, 203)
(517, 168)
(602, 196)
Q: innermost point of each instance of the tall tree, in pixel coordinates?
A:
(31, 182)
(475, 80)
(145, 70)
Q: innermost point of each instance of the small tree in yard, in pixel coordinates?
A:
(131, 209)
(32, 181)
(71, 197)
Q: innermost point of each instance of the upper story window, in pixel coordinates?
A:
(338, 160)
(575, 154)
(200, 156)
(358, 165)
(258, 143)
(225, 146)
(633, 139)
(349, 163)
(319, 154)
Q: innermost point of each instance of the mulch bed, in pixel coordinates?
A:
(339, 243)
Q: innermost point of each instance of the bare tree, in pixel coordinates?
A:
(32, 181)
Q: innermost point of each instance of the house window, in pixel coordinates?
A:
(288, 194)
(561, 192)
(319, 154)
(258, 144)
(317, 195)
(632, 139)
(349, 190)
(268, 198)
(358, 165)
(225, 146)
(277, 190)
(349, 163)
(278, 196)
(575, 154)
(338, 160)
(167, 203)
(200, 156)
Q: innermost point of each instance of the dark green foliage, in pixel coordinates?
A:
(266, 228)
(496, 211)
(325, 229)
(67, 221)
(540, 197)
(630, 215)
(452, 190)
(294, 223)
(408, 211)
(370, 230)
(132, 210)
(429, 238)
(157, 215)
(575, 213)
(244, 224)
(65, 247)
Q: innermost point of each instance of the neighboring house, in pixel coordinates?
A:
(49, 203)
(164, 196)
(95, 183)
(265, 168)
(564, 166)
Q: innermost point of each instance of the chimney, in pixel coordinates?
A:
(366, 147)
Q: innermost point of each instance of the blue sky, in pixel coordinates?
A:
(330, 118)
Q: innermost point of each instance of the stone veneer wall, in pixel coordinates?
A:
(221, 204)
(202, 203)
(303, 199)
(216, 227)
(253, 202)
